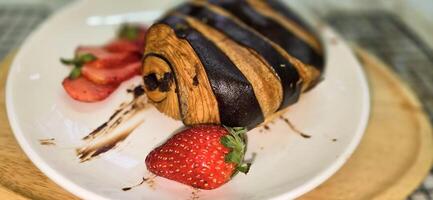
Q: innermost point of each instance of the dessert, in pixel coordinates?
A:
(213, 64)
(238, 63)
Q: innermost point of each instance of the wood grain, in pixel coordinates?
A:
(396, 151)
(391, 161)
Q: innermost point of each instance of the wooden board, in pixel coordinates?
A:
(19, 178)
(396, 151)
(394, 156)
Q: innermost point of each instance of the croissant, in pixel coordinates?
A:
(238, 63)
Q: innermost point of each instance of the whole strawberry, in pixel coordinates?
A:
(204, 156)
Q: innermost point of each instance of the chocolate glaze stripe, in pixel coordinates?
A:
(265, 82)
(290, 24)
(237, 102)
(288, 74)
(273, 31)
(287, 12)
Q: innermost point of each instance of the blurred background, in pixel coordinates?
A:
(399, 32)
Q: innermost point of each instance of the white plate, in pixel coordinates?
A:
(286, 164)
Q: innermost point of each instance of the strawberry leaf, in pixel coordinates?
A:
(75, 73)
(226, 141)
(229, 141)
(235, 141)
(78, 62)
(239, 130)
(233, 157)
(244, 168)
(85, 58)
(129, 32)
(67, 61)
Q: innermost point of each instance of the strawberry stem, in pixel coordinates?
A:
(75, 73)
(244, 168)
(67, 61)
(129, 32)
(236, 141)
(77, 62)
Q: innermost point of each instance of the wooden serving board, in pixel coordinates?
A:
(394, 156)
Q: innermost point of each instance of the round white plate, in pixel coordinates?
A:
(286, 165)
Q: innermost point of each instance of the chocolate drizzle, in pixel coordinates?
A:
(141, 183)
(302, 134)
(195, 194)
(47, 142)
(138, 91)
(118, 127)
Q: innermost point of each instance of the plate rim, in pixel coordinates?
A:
(81, 192)
(35, 158)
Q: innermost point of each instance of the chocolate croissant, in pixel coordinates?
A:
(233, 62)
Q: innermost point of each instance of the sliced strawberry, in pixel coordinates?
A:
(84, 90)
(110, 75)
(123, 45)
(106, 59)
(141, 38)
(116, 60)
(132, 32)
(97, 51)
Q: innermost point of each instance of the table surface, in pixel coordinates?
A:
(391, 40)
(382, 34)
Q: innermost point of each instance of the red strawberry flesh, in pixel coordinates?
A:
(84, 90)
(195, 157)
(110, 75)
(123, 45)
(106, 59)
(98, 70)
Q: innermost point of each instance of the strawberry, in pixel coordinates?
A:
(107, 59)
(84, 90)
(123, 45)
(204, 156)
(78, 62)
(110, 75)
(98, 71)
(96, 51)
(133, 32)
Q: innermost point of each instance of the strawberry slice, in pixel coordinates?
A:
(123, 45)
(84, 90)
(98, 52)
(106, 59)
(110, 75)
(133, 32)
